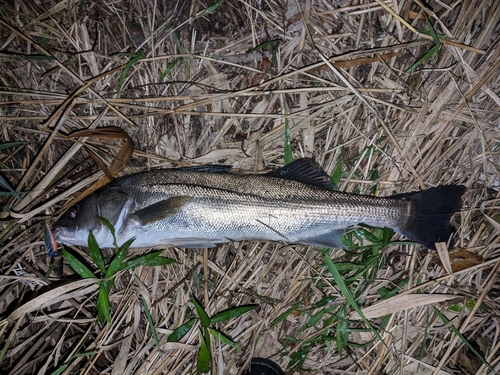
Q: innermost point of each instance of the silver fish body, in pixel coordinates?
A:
(199, 208)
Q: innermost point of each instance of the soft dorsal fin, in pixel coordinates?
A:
(304, 170)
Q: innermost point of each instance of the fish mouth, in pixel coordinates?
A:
(63, 233)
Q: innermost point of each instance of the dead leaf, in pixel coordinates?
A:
(117, 165)
(462, 258)
(400, 303)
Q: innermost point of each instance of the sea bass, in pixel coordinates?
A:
(206, 206)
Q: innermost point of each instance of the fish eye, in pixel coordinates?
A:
(73, 212)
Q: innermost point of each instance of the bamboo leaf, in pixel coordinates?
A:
(151, 259)
(204, 318)
(132, 61)
(151, 324)
(221, 337)
(181, 331)
(103, 310)
(117, 262)
(232, 313)
(204, 360)
(78, 266)
(95, 253)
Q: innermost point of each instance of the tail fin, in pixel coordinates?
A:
(431, 213)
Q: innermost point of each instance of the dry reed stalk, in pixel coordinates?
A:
(190, 87)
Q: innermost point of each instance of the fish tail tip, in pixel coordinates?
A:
(431, 213)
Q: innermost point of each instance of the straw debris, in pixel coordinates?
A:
(196, 82)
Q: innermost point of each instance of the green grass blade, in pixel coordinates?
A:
(288, 154)
(6, 185)
(124, 72)
(204, 318)
(95, 253)
(204, 360)
(78, 266)
(283, 316)
(337, 174)
(151, 324)
(347, 293)
(208, 10)
(270, 43)
(422, 60)
(169, 68)
(454, 329)
(181, 331)
(229, 314)
(432, 32)
(5, 145)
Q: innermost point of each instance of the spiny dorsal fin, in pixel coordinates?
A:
(207, 168)
(304, 170)
(161, 210)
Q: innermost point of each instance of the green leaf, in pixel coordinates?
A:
(288, 154)
(232, 313)
(181, 331)
(283, 316)
(337, 174)
(78, 266)
(151, 259)
(346, 292)
(366, 235)
(270, 43)
(204, 360)
(132, 61)
(60, 369)
(117, 262)
(454, 329)
(342, 336)
(107, 284)
(169, 68)
(298, 357)
(103, 310)
(221, 337)
(177, 42)
(387, 234)
(95, 253)
(111, 229)
(151, 324)
(432, 32)
(208, 10)
(204, 318)
(10, 144)
(422, 60)
(6, 185)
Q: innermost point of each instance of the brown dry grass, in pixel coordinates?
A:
(223, 103)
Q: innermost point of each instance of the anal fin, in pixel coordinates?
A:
(328, 239)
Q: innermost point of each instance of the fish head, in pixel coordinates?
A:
(74, 226)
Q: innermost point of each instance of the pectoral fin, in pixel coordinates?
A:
(161, 210)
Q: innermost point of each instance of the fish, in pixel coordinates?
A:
(206, 206)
